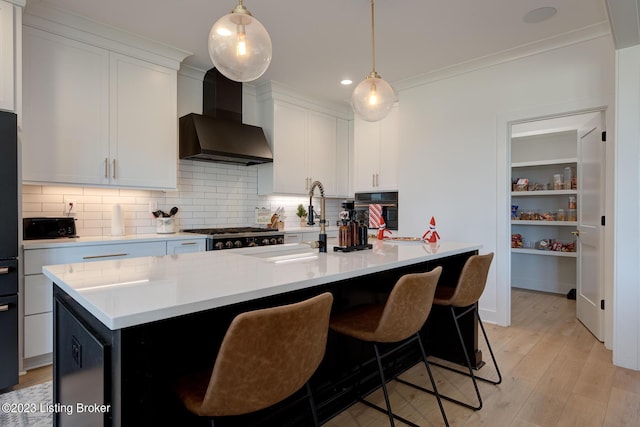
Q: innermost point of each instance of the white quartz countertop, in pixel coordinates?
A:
(135, 291)
(101, 240)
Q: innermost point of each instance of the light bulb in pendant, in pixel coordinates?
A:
(241, 47)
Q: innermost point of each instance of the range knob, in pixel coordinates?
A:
(228, 244)
(280, 240)
(219, 245)
(237, 244)
(252, 244)
(273, 241)
(265, 242)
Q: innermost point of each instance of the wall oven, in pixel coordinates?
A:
(387, 201)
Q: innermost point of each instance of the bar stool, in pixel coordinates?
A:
(398, 321)
(266, 356)
(471, 284)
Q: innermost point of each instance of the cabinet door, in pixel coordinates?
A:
(322, 151)
(7, 56)
(65, 133)
(185, 246)
(387, 178)
(366, 154)
(343, 175)
(289, 149)
(38, 334)
(143, 133)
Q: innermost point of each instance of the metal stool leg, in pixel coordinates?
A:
(384, 385)
(388, 411)
(312, 404)
(433, 383)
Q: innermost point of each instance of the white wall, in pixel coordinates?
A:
(454, 153)
(626, 297)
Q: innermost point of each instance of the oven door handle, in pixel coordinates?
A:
(4, 270)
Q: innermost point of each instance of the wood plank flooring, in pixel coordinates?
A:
(555, 373)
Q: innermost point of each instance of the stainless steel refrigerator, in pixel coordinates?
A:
(8, 250)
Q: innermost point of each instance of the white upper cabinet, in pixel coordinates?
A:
(97, 112)
(376, 153)
(65, 111)
(143, 125)
(307, 146)
(9, 19)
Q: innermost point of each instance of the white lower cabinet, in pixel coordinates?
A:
(39, 330)
(38, 289)
(186, 246)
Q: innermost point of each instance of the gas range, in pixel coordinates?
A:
(239, 237)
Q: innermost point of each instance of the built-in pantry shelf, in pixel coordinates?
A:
(544, 253)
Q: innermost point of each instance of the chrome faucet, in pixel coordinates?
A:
(322, 239)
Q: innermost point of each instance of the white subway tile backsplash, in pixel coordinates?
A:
(208, 195)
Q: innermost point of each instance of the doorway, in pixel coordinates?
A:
(557, 203)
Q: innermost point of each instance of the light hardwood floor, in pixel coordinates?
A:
(555, 373)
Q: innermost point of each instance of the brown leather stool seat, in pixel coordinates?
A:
(266, 356)
(397, 321)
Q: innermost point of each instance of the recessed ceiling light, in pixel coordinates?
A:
(538, 15)
(346, 82)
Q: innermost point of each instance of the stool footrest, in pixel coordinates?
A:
(397, 417)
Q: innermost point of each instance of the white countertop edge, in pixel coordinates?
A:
(115, 323)
(106, 240)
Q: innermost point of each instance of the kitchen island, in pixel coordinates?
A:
(124, 329)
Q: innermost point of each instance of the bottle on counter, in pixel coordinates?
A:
(354, 228)
(363, 234)
(344, 234)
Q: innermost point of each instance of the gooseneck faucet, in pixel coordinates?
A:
(322, 239)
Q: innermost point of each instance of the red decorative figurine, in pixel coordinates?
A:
(431, 235)
(382, 229)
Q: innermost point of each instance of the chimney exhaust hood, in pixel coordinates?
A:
(218, 134)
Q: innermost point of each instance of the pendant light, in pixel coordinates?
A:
(239, 45)
(373, 98)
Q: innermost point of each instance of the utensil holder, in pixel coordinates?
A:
(165, 225)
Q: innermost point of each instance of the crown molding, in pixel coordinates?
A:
(581, 35)
(273, 90)
(80, 28)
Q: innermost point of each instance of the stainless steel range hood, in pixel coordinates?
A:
(218, 135)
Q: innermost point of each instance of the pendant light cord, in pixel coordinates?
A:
(373, 43)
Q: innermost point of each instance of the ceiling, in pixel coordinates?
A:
(317, 44)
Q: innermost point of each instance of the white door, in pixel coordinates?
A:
(590, 286)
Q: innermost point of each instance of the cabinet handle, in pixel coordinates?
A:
(377, 181)
(4, 270)
(106, 167)
(576, 233)
(189, 243)
(4, 307)
(114, 168)
(103, 256)
(373, 179)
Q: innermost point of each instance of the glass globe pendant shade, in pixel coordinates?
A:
(240, 46)
(373, 98)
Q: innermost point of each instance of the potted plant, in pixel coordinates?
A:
(302, 214)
